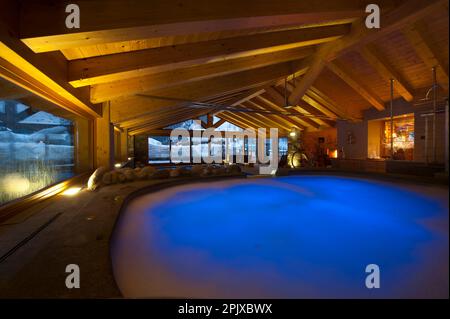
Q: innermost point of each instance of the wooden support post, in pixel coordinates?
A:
(104, 139)
(124, 145)
(83, 145)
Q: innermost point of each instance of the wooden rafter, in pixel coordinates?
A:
(293, 121)
(137, 107)
(238, 120)
(274, 100)
(273, 119)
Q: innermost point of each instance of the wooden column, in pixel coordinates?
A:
(104, 139)
(83, 145)
(124, 145)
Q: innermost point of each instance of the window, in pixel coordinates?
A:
(188, 125)
(250, 149)
(199, 147)
(228, 127)
(282, 146)
(158, 149)
(403, 138)
(36, 146)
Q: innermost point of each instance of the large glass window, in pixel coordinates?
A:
(36, 146)
(160, 146)
(199, 147)
(159, 149)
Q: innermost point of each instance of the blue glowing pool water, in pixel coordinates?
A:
(286, 237)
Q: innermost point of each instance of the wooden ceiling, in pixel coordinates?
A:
(239, 53)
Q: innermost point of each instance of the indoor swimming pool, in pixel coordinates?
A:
(284, 237)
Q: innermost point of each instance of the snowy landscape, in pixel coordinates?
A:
(30, 161)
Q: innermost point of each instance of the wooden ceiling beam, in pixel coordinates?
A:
(124, 87)
(42, 23)
(316, 66)
(9, 91)
(118, 66)
(42, 75)
(218, 123)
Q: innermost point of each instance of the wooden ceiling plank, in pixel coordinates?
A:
(323, 99)
(420, 39)
(395, 19)
(351, 80)
(372, 55)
